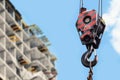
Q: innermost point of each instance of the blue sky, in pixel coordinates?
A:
(57, 20)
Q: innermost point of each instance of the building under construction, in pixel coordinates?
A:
(23, 48)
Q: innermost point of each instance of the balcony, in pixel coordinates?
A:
(13, 38)
(13, 12)
(35, 42)
(53, 59)
(18, 17)
(42, 48)
(7, 71)
(37, 55)
(22, 61)
(10, 8)
(15, 28)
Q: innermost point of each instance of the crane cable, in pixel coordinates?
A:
(81, 3)
(80, 6)
(100, 8)
(100, 12)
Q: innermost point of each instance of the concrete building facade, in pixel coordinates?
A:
(24, 54)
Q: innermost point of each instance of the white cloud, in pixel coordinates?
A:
(112, 18)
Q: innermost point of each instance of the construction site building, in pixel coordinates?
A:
(24, 53)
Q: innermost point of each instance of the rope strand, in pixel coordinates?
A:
(101, 8)
(81, 3)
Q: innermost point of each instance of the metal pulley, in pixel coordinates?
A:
(90, 26)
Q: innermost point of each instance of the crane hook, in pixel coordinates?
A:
(86, 56)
